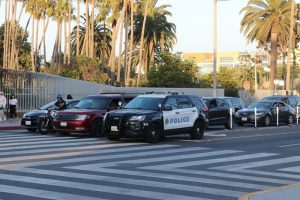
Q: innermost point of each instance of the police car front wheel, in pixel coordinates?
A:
(198, 130)
(152, 133)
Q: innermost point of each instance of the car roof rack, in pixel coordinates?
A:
(165, 92)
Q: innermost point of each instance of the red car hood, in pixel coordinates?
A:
(80, 112)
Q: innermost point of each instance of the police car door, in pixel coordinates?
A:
(188, 113)
(170, 113)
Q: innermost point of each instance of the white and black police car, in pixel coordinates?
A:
(153, 116)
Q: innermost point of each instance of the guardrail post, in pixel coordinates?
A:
(255, 123)
(277, 113)
(297, 115)
(231, 124)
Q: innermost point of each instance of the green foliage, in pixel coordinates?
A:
(172, 71)
(89, 70)
(22, 45)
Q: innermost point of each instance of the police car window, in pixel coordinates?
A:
(198, 102)
(171, 101)
(145, 103)
(183, 102)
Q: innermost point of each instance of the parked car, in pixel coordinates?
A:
(88, 114)
(236, 103)
(30, 120)
(293, 101)
(219, 112)
(266, 113)
(153, 116)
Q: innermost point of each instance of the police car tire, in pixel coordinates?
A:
(198, 130)
(113, 137)
(97, 128)
(152, 133)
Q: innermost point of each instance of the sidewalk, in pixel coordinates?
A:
(288, 192)
(10, 124)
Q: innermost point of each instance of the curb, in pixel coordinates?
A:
(6, 128)
(248, 196)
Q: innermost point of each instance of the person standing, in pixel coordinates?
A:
(12, 106)
(2, 106)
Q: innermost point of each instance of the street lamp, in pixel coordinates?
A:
(215, 50)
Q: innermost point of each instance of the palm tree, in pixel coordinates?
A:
(264, 20)
(101, 35)
(159, 34)
(77, 26)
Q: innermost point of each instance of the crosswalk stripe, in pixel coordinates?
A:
(98, 188)
(230, 176)
(125, 147)
(43, 193)
(212, 161)
(197, 189)
(67, 141)
(259, 163)
(160, 159)
(177, 178)
(267, 173)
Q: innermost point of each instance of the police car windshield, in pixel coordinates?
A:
(145, 103)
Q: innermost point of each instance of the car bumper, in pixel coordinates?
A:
(71, 126)
(248, 120)
(29, 123)
(130, 130)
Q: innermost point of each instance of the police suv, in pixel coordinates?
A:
(152, 116)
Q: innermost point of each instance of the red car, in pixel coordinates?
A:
(87, 115)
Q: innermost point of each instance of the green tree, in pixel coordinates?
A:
(172, 71)
(89, 70)
(264, 21)
(22, 44)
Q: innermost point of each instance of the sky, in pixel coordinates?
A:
(194, 22)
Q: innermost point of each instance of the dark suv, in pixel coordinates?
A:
(293, 101)
(153, 116)
(219, 112)
(88, 114)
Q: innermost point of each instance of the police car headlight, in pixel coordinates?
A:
(82, 117)
(137, 118)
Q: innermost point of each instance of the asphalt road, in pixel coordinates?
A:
(224, 165)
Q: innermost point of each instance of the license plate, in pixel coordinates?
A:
(244, 119)
(27, 122)
(63, 123)
(114, 128)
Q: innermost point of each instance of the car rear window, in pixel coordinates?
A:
(93, 103)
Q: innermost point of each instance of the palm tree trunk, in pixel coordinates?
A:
(69, 31)
(65, 39)
(114, 38)
(120, 56)
(32, 46)
(131, 44)
(37, 43)
(5, 35)
(273, 66)
(291, 46)
(8, 41)
(13, 35)
(92, 46)
(141, 44)
(77, 27)
(87, 27)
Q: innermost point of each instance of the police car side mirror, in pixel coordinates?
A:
(167, 108)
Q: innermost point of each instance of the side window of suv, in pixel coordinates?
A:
(183, 102)
(114, 104)
(292, 101)
(171, 101)
(222, 103)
